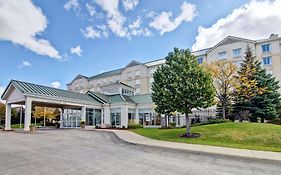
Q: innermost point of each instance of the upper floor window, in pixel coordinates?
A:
(137, 73)
(137, 82)
(236, 52)
(266, 47)
(200, 60)
(222, 55)
(267, 60)
(151, 80)
(129, 74)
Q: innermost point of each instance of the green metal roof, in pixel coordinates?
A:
(35, 89)
(142, 99)
(99, 96)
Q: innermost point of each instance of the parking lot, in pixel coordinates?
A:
(73, 151)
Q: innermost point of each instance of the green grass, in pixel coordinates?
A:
(256, 136)
(16, 126)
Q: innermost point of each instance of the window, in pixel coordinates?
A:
(137, 73)
(137, 82)
(130, 82)
(266, 47)
(200, 60)
(222, 55)
(137, 90)
(129, 74)
(151, 80)
(236, 52)
(267, 60)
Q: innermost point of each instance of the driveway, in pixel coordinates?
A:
(73, 151)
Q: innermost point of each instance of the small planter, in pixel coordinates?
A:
(32, 128)
(82, 124)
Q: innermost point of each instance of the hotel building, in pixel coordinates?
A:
(123, 96)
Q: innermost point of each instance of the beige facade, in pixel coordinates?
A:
(139, 76)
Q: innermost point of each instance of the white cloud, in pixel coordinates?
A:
(90, 32)
(136, 24)
(103, 30)
(254, 20)
(72, 4)
(164, 22)
(130, 4)
(115, 20)
(91, 9)
(76, 50)
(24, 26)
(55, 84)
(25, 64)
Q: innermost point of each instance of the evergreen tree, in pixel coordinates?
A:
(266, 105)
(247, 87)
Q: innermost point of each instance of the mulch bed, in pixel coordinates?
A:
(192, 135)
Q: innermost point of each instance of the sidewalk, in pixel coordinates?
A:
(134, 138)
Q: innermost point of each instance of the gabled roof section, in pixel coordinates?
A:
(45, 91)
(105, 74)
(229, 40)
(142, 99)
(118, 83)
(103, 98)
(111, 99)
(133, 63)
(200, 52)
(77, 77)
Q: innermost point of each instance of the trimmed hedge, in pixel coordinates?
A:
(211, 121)
(134, 126)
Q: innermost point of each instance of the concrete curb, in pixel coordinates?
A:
(133, 138)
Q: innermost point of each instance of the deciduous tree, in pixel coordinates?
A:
(223, 73)
(186, 85)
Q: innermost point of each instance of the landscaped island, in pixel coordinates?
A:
(257, 136)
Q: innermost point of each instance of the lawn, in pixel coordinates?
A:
(257, 136)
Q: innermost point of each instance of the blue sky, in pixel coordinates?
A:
(50, 42)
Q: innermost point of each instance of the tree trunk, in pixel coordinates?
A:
(187, 124)
(223, 111)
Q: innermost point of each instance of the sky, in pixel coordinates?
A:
(50, 42)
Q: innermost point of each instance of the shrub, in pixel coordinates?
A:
(82, 122)
(173, 124)
(276, 121)
(134, 126)
(211, 121)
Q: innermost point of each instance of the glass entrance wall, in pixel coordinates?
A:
(93, 117)
(71, 118)
(149, 118)
(131, 116)
(115, 117)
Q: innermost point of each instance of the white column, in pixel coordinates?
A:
(61, 117)
(27, 118)
(124, 116)
(83, 116)
(137, 116)
(8, 117)
(106, 112)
